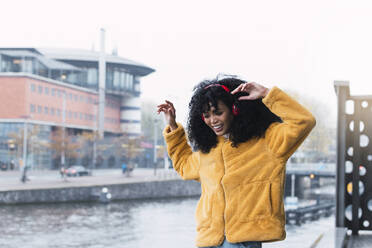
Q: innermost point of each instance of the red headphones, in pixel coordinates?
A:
(235, 109)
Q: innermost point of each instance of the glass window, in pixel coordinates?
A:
(40, 69)
(75, 115)
(32, 108)
(39, 109)
(27, 65)
(46, 110)
(116, 82)
(122, 80)
(109, 77)
(53, 92)
(51, 111)
(92, 77)
(75, 98)
(46, 90)
(81, 116)
(69, 114)
(81, 98)
(40, 89)
(72, 77)
(58, 112)
(33, 87)
(59, 93)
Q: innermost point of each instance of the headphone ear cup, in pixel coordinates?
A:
(202, 116)
(235, 110)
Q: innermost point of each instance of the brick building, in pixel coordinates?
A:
(51, 88)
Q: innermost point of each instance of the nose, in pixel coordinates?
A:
(213, 119)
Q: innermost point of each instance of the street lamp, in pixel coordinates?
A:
(24, 158)
(63, 129)
(155, 143)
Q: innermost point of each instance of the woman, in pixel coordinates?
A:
(242, 134)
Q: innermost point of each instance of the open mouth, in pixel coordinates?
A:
(218, 128)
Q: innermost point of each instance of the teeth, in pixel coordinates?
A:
(217, 127)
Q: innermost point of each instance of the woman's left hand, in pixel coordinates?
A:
(254, 90)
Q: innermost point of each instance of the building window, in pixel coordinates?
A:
(81, 116)
(51, 111)
(81, 98)
(46, 110)
(58, 112)
(69, 114)
(46, 90)
(59, 92)
(53, 92)
(75, 98)
(75, 115)
(33, 87)
(40, 89)
(70, 96)
(39, 109)
(32, 108)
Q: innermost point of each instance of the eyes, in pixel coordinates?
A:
(216, 112)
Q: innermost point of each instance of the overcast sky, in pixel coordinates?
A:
(298, 45)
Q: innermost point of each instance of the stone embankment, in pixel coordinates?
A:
(141, 185)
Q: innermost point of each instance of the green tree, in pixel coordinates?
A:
(63, 142)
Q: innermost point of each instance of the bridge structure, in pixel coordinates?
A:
(315, 169)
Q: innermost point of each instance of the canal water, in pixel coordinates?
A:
(126, 224)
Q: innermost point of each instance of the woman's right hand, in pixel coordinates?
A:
(169, 112)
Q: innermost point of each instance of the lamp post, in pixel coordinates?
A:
(24, 157)
(95, 132)
(155, 141)
(63, 129)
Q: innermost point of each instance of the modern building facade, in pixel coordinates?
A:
(51, 88)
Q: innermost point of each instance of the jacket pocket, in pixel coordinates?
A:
(204, 211)
(254, 201)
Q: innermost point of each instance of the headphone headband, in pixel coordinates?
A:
(220, 85)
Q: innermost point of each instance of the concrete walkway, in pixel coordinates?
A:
(48, 179)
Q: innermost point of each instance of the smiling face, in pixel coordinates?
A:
(219, 119)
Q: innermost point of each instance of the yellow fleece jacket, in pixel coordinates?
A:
(243, 187)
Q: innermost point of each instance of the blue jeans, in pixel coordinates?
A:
(247, 244)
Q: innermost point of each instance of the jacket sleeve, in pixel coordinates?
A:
(185, 161)
(284, 138)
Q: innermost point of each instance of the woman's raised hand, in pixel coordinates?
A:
(169, 112)
(254, 90)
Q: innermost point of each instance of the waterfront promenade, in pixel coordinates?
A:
(47, 179)
(49, 187)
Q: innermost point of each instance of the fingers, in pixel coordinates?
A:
(246, 87)
(237, 89)
(166, 108)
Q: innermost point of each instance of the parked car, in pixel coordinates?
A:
(77, 170)
(3, 166)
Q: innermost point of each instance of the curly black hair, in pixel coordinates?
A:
(251, 122)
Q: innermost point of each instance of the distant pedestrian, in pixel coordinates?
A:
(124, 168)
(241, 135)
(24, 177)
(62, 172)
